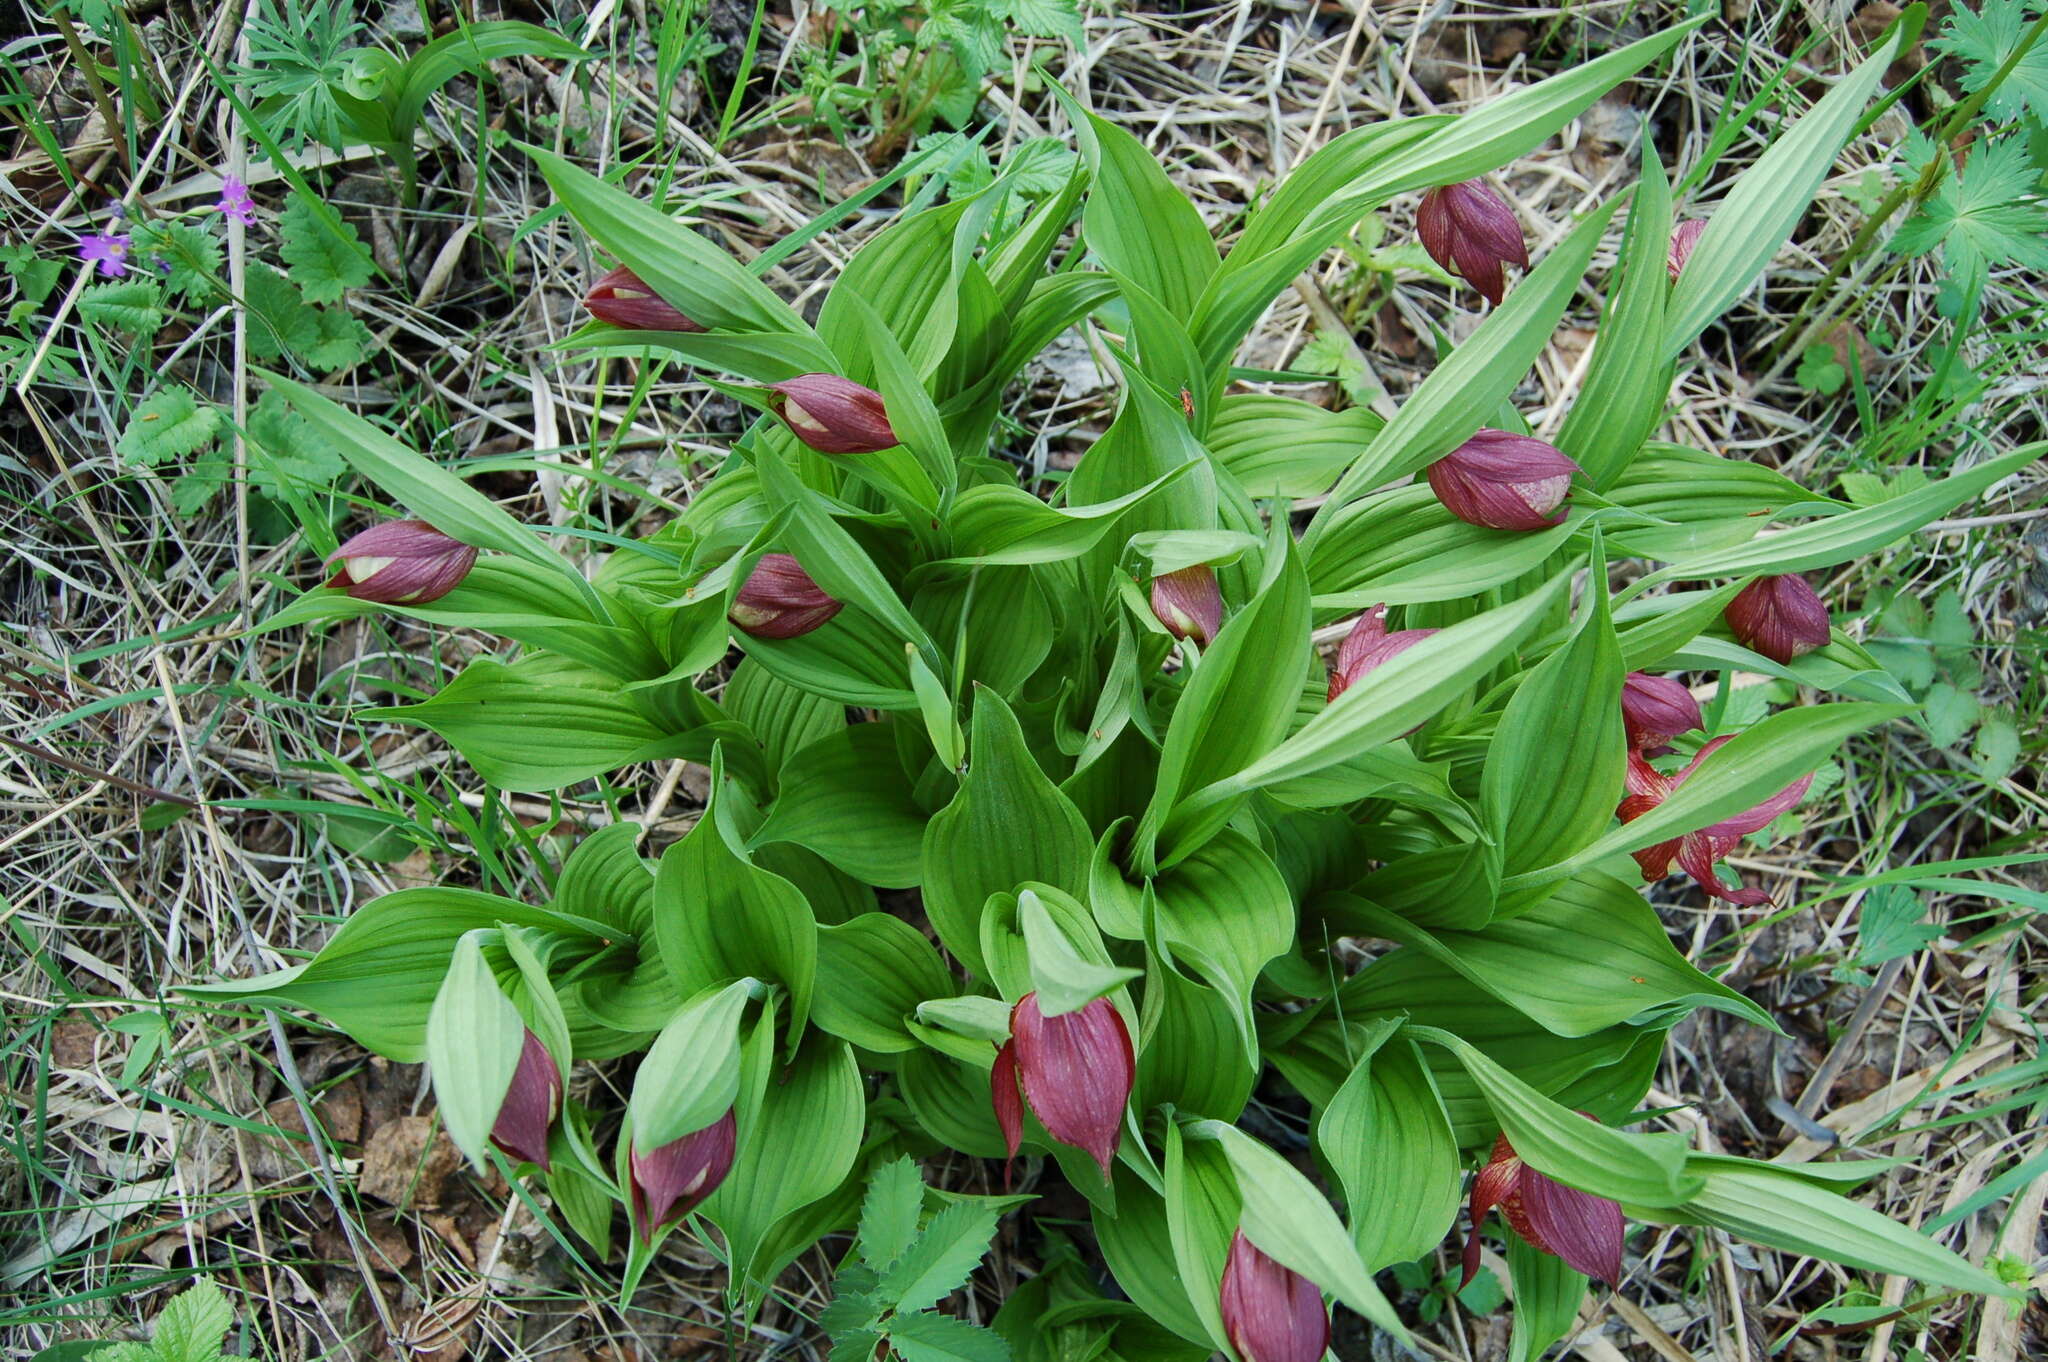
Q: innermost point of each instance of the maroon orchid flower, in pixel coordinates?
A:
(1075, 1069)
(622, 298)
(531, 1105)
(1779, 616)
(1501, 481)
(1189, 603)
(834, 415)
(1696, 852)
(1367, 646)
(670, 1182)
(1582, 1229)
(779, 600)
(1271, 1313)
(401, 562)
(1684, 237)
(1470, 230)
(1655, 709)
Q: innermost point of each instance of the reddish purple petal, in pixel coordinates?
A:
(1271, 1313)
(779, 600)
(1009, 1103)
(622, 298)
(401, 562)
(1470, 230)
(834, 415)
(1494, 1185)
(1502, 481)
(1583, 1229)
(1654, 708)
(1189, 603)
(1368, 646)
(1697, 854)
(1781, 617)
(1753, 820)
(530, 1105)
(1078, 1069)
(1684, 237)
(673, 1180)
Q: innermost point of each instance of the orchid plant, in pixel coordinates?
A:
(1033, 822)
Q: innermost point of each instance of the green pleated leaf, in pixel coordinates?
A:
(1768, 199)
(718, 916)
(873, 972)
(1001, 523)
(1401, 546)
(1558, 754)
(853, 660)
(1548, 1293)
(1622, 399)
(474, 1037)
(1008, 824)
(1137, 221)
(1288, 1220)
(784, 717)
(1284, 447)
(1203, 1209)
(690, 1076)
(1388, 1140)
(845, 798)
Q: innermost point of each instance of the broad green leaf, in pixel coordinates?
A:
(1185, 1033)
(799, 1132)
(193, 1325)
(474, 1036)
(682, 267)
(1064, 978)
(1288, 1220)
(1284, 447)
(1558, 754)
(1622, 399)
(1769, 197)
(1539, 962)
(845, 798)
(784, 717)
(1387, 1138)
(1203, 1210)
(999, 523)
(376, 978)
(1838, 539)
(1239, 701)
(1401, 546)
(1777, 1207)
(1137, 221)
(1548, 1293)
(873, 972)
(853, 660)
(718, 917)
(1648, 1170)
(1008, 824)
(472, 47)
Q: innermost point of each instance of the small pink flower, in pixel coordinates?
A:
(235, 201)
(106, 250)
(1697, 851)
(1470, 230)
(1684, 237)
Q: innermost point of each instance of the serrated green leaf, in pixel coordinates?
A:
(339, 341)
(279, 319)
(888, 1214)
(168, 424)
(194, 1325)
(944, 1256)
(131, 305)
(324, 263)
(929, 1337)
(191, 254)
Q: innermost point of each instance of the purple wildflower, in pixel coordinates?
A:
(235, 201)
(108, 251)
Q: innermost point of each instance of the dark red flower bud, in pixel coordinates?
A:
(1470, 230)
(1367, 646)
(1076, 1070)
(834, 415)
(1654, 708)
(1500, 481)
(1582, 1229)
(1188, 603)
(1271, 1313)
(1781, 617)
(779, 600)
(673, 1180)
(1697, 851)
(621, 298)
(401, 562)
(1684, 237)
(531, 1105)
